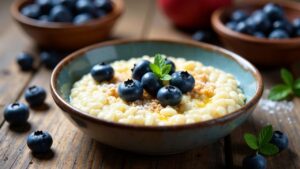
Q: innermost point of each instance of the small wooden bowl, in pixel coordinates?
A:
(261, 51)
(66, 36)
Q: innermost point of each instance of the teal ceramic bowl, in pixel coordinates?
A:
(155, 139)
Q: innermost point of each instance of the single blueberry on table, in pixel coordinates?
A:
(256, 161)
(82, 18)
(60, 13)
(238, 16)
(202, 36)
(130, 90)
(50, 59)
(39, 142)
(151, 83)
(102, 72)
(140, 69)
(16, 113)
(280, 140)
(35, 95)
(278, 34)
(25, 61)
(169, 95)
(231, 25)
(105, 5)
(31, 11)
(273, 11)
(173, 67)
(183, 80)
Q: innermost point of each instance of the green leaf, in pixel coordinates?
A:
(166, 69)
(269, 149)
(287, 77)
(265, 135)
(297, 87)
(155, 69)
(166, 77)
(159, 60)
(280, 92)
(251, 141)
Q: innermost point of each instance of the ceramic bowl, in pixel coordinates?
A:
(66, 36)
(155, 139)
(260, 51)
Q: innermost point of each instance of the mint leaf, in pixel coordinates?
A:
(166, 77)
(287, 77)
(166, 69)
(265, 135)
(297, 84)
(251, 141)
(158, 59)
(268, 149)
(280, 92)
(155, 69)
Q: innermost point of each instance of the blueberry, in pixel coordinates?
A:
(169, 95)
(102, 72)
(140, 69)
(16, 113)
(82, 18)
(68, 3)
(151, 83)
(242, 27)
(238, 16)
(85, 6)
(278, 34)
(284, 25)
(297, 33)
(280, 140)
(39, 142)
(261, 21)
(259, 34)
(256, 161)
(183, 80)
(202, 36)
(50, 59)
(231, 25)
(273, 11)
(296, 23)
(130, 90)
(35, 95)
(99, 13)
(45, 5)
(60, 13)
(173, 67)
(31, 11)
(44, 18)
(25, 61)
(105, 5)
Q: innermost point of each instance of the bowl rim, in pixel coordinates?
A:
(220, 27)
(64, 105)
(117, 10)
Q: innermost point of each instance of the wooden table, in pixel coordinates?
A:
(73, 149)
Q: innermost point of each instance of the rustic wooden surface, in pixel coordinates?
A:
(73, 149)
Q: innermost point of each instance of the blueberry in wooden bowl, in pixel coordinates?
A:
(66, 24)
(267, 34)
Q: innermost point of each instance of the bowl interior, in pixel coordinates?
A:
(80, 63)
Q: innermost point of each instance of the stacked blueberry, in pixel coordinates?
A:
(150, 77)
(268, 22)
(70, 11)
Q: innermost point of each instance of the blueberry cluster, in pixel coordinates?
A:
(268, 22)
(69, 11)
(143, 78)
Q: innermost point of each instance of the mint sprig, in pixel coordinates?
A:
(284, 91)
(261, 143)
(160, 68)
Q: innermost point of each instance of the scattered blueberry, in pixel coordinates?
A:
(140, 69)
(60, 13)
(102, 72)
(31, 11)
(82, 18)
(50, 59)
(39, 142)
(202, 36)
(280, 140)
(151, 83)
(130, 90)
(104, 5)
(278, 34)
(273, 11)
(35, 95)
(256, 161)
(25, 61)
(238, 16)
(259, 34)
(169, 95)
(16, 113)
(173, 68)
(183, 80)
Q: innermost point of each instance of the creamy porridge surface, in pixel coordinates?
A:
(216, 93)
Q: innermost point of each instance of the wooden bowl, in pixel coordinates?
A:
(66, 36)
(261, 51)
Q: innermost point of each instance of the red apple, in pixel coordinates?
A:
(191, 14)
